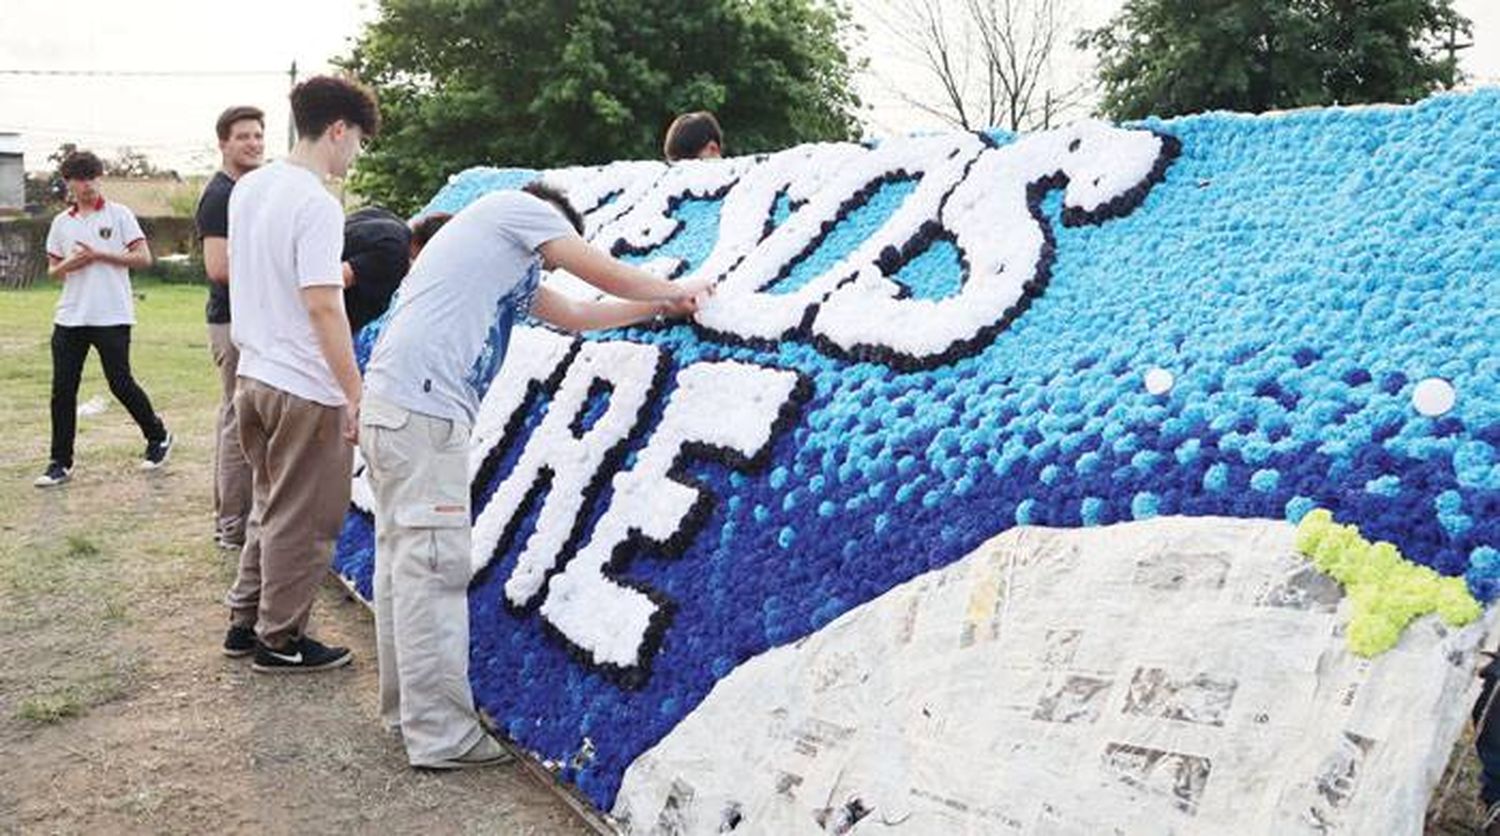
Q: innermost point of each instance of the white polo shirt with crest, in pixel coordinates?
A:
(98, 294)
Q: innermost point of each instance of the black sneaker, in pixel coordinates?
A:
(157, 452)
(302, 655)
(239, 641)
(55, 474)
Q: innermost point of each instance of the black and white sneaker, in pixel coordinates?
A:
(54, 475)
(157, 452)
(303, 655)
(239, 641)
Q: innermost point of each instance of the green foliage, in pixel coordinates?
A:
(1170, 57)
(563, 82)
(132, 163)
(45, 192)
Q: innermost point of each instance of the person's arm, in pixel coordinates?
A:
(59, 268)
(216, 259)
(136, 257)
(615, 277)
(575, 315)
(349, 277)
(325, 310)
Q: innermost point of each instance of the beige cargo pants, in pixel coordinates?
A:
(418, 468)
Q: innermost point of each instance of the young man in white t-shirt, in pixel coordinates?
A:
(444, 341)
(297, 396)
(91, 248)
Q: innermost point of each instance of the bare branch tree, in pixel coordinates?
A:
(992, 59)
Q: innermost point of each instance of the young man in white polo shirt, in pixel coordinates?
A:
(444, 341)
(297, 396)
(91, 248)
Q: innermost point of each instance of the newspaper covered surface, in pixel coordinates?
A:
(1170, 676)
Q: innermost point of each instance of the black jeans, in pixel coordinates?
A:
(70, 347)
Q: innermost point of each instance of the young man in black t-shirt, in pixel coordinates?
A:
(241, 132)
(379, 248)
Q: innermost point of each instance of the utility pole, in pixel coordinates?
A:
(291, 124)
(1453, 46)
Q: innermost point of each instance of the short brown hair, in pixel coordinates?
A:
(689, 134)
(324, 99)
(423, 228)
(81, 165)
(238, 113)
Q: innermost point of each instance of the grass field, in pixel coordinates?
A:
(117, 713)
(63, 549)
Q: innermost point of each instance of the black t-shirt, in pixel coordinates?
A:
(212, 220)
(377, 246)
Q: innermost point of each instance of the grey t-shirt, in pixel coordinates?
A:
(447, 331)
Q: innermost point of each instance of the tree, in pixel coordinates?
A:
(1169, 57)
(560, 82)
(992, 60)
(46, 192)
(129, 162)
(64, 151)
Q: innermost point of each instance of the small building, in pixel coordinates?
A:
(12, 173)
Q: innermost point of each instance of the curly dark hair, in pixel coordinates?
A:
(324, 99)
(537, 188)
(81, 165)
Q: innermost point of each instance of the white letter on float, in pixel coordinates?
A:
(603, 193)
(743, 306)
(571, 462)
(729, 406)
(800, 172)
(532, 358)
(990, 219)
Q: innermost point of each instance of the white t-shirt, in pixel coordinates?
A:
(99, 294)
(446, 334)
(286, 232)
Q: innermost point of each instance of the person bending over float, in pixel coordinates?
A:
(444, 341)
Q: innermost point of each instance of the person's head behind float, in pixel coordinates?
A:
(694, 136)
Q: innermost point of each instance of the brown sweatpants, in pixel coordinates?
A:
(231, 471)
(301, 467)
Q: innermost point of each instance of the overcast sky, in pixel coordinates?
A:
(213, 59)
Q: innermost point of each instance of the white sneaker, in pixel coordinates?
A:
(487, 752)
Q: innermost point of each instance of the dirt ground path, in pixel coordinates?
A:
(119, 714)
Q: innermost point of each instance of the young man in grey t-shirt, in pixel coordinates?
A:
(442, 345)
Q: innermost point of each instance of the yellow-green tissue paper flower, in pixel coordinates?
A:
(1386, 591)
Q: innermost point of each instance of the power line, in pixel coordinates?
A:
(146, 73)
